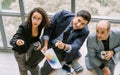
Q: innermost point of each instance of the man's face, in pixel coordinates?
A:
(102, 32)
(79, 23)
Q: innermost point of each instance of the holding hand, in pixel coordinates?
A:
(60, 44)
(106, 71)
(39, 46)
(109, 55)
(20, 42)
(44, 49)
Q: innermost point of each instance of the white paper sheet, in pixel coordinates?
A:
(52, 59)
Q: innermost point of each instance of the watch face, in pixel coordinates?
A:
(103, 53)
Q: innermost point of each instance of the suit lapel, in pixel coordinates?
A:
(111, 41)
(100, 45)
(72, 35)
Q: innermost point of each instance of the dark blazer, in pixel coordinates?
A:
(59, 22)
(25, 34)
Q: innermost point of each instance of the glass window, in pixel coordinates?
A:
(92, 26)
(50, 6)
(11, 25)
(10, 5)
(1, 42)
(102, 8)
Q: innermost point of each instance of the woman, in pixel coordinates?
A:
(27, 34)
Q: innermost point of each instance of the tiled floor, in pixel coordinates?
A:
(8, 65)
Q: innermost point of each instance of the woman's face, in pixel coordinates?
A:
(36, 19)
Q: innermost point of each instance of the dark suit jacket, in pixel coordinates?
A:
(59, 22)
(25, 34)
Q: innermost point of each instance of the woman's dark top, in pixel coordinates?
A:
(25, 34)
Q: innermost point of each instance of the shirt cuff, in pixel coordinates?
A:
(69, 50)
(54, 41)
(45, 37)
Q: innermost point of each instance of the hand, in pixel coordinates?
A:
(20, 42)
(106, 71)
(38, 48)
(108, 55)
(59, 44)
(44, 49)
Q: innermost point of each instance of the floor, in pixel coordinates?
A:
(8, 64)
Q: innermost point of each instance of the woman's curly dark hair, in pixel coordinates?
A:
(45, 22)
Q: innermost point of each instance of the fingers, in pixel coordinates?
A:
(106, 71)
(20, 42)
(39, 47)
(56, 44)
(43, 50)
(108, 55)
(39, 43)
(59, 44)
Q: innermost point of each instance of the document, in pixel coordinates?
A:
(52, 59)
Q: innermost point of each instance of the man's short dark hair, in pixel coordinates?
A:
(85, 14)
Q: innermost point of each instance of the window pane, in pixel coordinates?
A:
(1, 42)
(51, 6)
(11, 25)
(92, 26)
(10, 5)
(102, 8)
